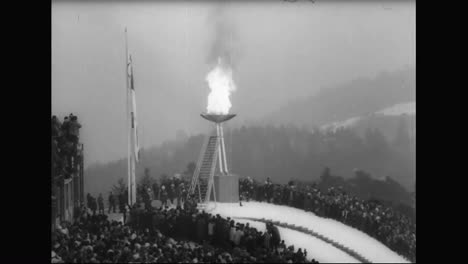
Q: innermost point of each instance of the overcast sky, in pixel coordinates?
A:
(282, 51)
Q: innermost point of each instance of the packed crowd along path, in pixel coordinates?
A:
(181, 234)
(395, 230)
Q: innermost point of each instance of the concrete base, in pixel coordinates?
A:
(226, 188)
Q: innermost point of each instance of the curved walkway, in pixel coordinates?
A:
(339, 246)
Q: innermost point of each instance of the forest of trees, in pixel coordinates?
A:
(281, 153)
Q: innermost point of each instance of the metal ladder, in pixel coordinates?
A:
(194, 181)
(202, 181)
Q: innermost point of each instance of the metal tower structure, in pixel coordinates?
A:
(213, 153)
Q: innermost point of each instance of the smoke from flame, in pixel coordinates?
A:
(221, 85)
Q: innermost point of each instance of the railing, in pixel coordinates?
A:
(197, 169)
(213, 167)
(203, 182)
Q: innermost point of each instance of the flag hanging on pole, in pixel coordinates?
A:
(133, 115)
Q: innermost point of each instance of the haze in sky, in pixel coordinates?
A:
(281, 51)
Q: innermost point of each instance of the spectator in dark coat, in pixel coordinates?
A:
(155, 190)
(163, 195)
(275, 236)
(308, 202)
(182, 193)
(111, 203)
(89, 200)
(100, 202)
(291, 195)
(211, 229)
(267, 240)
(218, 230)
(171, 193)
(177, 193)
(123, 206)
(201, 236)
(93, 205)
(193, 228)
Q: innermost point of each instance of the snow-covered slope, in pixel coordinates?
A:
(408, 108)
(316, 248)
(341, 124)
(324, 252)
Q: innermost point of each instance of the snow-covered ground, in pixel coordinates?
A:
(363, 244)
(399, 109)
(408, 108)
(316, 248)
(342, 124)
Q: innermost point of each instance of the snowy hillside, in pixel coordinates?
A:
(360, 242)
(408, 108)
(342, 124)
(348, 99)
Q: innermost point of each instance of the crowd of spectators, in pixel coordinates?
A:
(390, 227)
(177, 234)
(168, 191)
(97, 205)
(65, 138)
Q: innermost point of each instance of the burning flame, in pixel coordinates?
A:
(221, 85)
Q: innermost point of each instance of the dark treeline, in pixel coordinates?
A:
(281, 153)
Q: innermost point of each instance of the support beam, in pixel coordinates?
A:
(220, 152)
(223, 147)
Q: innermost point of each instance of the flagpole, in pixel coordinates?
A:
(127, 125)
(134, 137)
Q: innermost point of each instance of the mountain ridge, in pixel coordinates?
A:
(357, 97)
